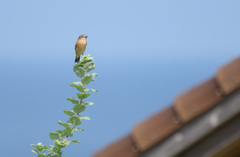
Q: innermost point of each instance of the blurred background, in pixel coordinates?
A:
(146, 53)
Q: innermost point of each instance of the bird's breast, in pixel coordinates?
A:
(81, 44)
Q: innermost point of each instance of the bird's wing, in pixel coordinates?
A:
(75, 46)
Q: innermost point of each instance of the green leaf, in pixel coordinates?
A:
(87, 103)
(80, 72)
(50, 155)
(86, 56)
(83, 61)
(74, 100)
(41, 155)
(54, 135)
(79, 108)
(39, 146)
(59, 144)
(79, 88)
(45, 147)
(55, 149)
(87, 79)
(69, 112)
(34, 145)
(86, 118)
(65, 124)
(78, 129)
(35, 151)
(82, 96)
(59, 131)
(94, 74)
(86, 59)
(60, 153)
(86, 90)
(75, 120)
(68, 131)
(77, 83)
(67, 142)
(75, 141)
(79, 64)
(89, 66)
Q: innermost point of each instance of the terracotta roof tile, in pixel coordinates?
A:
(121, 148)
(155, 128)
(197, 100)
(187, 106)
(228, 76)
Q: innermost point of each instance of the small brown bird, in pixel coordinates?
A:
(80, 46)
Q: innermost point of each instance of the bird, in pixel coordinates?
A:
(80, 46)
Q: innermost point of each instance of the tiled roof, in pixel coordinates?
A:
(187, 106)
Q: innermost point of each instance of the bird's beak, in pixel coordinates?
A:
(86, 36)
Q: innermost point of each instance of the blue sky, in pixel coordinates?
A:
(146, 53)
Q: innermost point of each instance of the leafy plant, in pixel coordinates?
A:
(85, 65)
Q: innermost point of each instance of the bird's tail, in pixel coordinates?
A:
(77, 59)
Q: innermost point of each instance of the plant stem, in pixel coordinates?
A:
(73, 124)
(82, 93)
